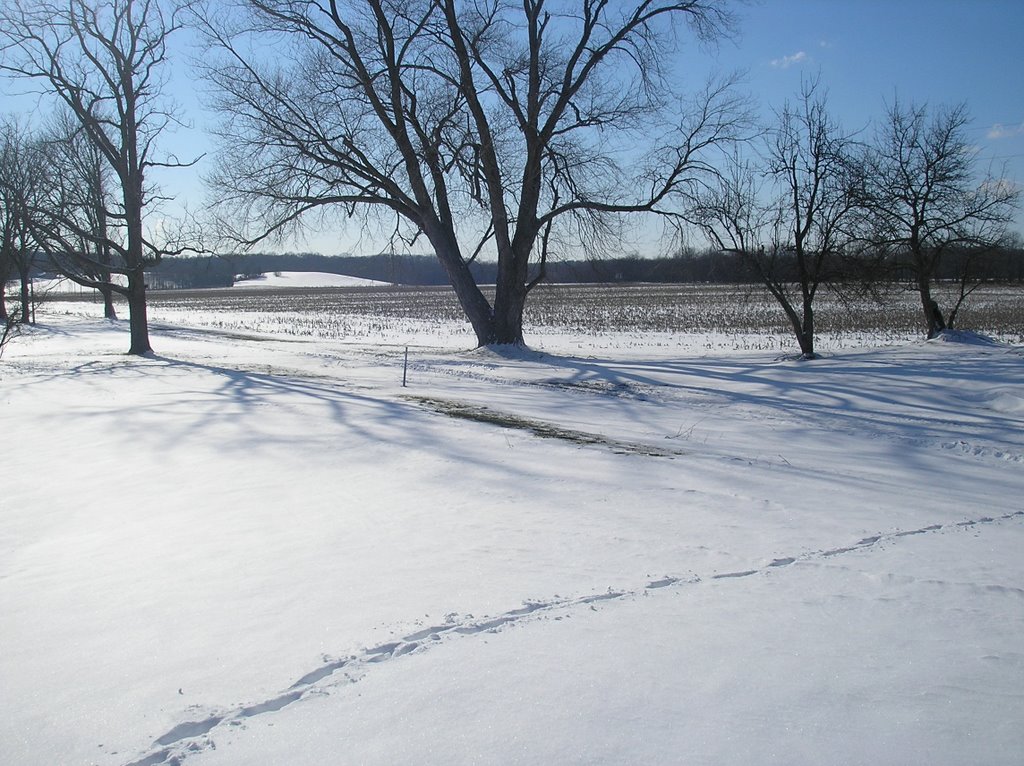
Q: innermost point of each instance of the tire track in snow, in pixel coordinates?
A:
(191, 737)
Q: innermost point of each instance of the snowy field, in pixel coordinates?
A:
(668, 319)
(285, 279)
(263, 549)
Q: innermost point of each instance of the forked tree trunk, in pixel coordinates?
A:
(803, 326)
(933, 321)
(473, 302)
(804, 337)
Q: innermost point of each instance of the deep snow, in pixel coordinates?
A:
(253, 550)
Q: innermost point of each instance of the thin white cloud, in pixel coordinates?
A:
(1001, 186)
(787, 61)
(1005, 131)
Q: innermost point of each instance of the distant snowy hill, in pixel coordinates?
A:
(305, 279)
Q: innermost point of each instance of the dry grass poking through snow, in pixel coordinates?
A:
(687, 317)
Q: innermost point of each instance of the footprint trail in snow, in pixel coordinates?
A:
(191, 737)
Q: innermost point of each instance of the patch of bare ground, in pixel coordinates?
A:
(539, 428)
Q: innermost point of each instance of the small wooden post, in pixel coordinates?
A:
(405, 367)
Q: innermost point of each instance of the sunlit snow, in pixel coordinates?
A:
(280, 279)
(265, 550)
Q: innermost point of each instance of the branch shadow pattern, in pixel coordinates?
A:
(893, 393)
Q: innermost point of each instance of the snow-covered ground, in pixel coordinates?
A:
(279, 279)
(257, 550)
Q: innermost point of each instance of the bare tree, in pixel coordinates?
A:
(103, 59)
(80, 218)
(786, 215)
(926, 197)
(9, 213)
(22, 181)
(482, 126)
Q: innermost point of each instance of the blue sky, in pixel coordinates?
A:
(866, 51)
(869, 52)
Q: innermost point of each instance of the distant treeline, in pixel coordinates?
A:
(1003, 264)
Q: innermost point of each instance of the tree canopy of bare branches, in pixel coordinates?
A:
(22, 184)
(481, 125)
(925, 196)
(103, 60)
(788, 213)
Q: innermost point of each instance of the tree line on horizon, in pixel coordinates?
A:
(1002, 264)
(506, 136)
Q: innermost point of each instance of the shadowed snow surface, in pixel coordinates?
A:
(243, 551)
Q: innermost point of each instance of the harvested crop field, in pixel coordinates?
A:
(685, 316)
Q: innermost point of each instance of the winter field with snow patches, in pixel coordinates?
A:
(626, 547)
(586, 318)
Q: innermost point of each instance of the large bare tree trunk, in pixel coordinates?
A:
(472, 300)
(137, 315)
(138, 318)
(508, 316)
(510, 302)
